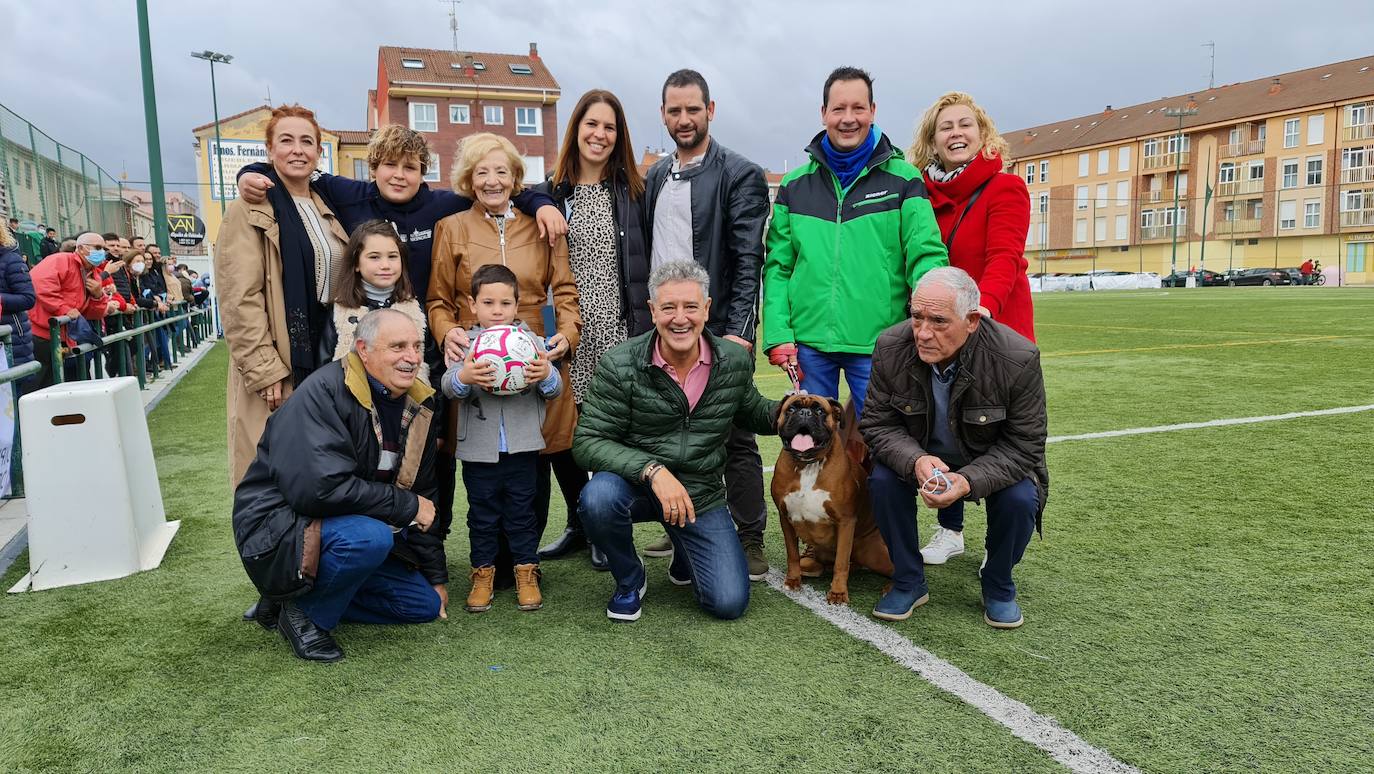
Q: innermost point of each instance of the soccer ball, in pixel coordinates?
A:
(511, 350)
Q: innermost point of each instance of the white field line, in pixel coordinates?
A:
(1198, 425)
(1040, 730)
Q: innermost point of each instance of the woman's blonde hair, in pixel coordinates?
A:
(6, 238)
(922, 150)
(473, 149)
(394, 142)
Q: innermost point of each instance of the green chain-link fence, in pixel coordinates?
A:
(43, 183)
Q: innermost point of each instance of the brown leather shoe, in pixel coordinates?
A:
(483, 582)
(527, 587)
(811, 567)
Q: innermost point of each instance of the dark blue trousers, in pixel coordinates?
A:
(501, 499)
(358, 581)
(1011, 520)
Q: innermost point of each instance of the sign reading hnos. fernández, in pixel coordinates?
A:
(240, 153)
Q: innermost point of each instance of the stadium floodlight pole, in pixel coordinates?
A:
(212, 57)
(150, 127)
(1180, 114)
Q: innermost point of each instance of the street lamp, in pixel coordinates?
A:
(1180, 114)
(212, 57)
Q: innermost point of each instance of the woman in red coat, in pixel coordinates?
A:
(984, 214)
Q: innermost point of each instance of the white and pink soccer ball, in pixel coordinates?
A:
(510, 350)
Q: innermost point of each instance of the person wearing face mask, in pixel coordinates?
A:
(68, 284)
(278, 266)
(597, 184)
(984, 214)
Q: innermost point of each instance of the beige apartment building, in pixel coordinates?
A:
(1289, 160)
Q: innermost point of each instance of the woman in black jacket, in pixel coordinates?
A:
(16, 299)
(598, 187)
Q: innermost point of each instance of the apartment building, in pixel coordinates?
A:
(1262, 173)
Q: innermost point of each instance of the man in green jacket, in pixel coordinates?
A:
(653, 430)
(852, 232)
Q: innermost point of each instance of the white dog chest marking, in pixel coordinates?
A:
(808, 502)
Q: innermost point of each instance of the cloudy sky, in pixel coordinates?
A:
(71, 66)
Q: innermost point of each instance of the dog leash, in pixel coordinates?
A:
(794, 374)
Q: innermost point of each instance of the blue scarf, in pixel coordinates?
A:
(848, 165)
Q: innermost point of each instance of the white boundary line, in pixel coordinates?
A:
(1197, 425)
(1040, 730)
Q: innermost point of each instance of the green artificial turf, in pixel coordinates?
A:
(1200, 601)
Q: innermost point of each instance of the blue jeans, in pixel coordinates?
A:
(501, 499)
(1011, 520)
(952, 517)
(821, 374)
(610, 506)
(357, 579)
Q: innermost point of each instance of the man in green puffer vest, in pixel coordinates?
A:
(652, 431)
(852, 232)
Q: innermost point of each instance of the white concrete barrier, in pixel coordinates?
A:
(95, 508)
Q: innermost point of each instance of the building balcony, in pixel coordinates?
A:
(1238, 187)
(1167, 160)
(1358, 132)
(1247, 226)
(1358, 175)
(1163, 232)
(1357, 218)
(1250, 148)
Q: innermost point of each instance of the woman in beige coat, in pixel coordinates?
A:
(277, 265)
(489, 171)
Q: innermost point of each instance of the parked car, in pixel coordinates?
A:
(1205, 278)
(1259, 277)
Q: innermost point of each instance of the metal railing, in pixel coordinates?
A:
(12, 377)
(1358, 132)
(1357, 218)
(1238, 226)
(1237, 187)
(130, 343)
(1246, 148)
(1357, 174)
(1166, 160)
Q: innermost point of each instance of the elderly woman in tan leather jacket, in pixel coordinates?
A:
(277, 265)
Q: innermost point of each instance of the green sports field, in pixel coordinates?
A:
(1201, 601)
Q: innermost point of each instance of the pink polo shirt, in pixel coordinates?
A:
(695, 384)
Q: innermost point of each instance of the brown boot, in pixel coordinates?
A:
(811, 567)
(527, 587)
(483, 581)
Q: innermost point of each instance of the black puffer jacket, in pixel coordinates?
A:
(631, 245)
(318, 459)
(16, 299)
(996, 409)
(729, 210)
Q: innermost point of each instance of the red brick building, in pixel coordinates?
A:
(450, 95)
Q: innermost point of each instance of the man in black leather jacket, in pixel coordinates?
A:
(709, 203)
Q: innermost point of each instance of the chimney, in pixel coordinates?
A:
(534, 51)
(1192, 102)
(1275, 86)
(467, 67)
(1029, 135)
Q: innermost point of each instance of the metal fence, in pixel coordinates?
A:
(43, 183)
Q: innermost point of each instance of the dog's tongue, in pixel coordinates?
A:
(802, 443)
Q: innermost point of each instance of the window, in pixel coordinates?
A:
(479, 66)
(521, 69)
(1044, 171)
(1288, 215)
(534, 169)
(1123, 159)
(1104, 161)
(1044, 203)
(1101, 196)
(28, 176)
(360, 169)
(1099, 229)
(1255, 170)
(1352, 158)
(1352, 201)
(1259, 211)
(1234, 138)
(424, 117)
(459, 114)
(1228, 213)
(1227, 173)
(432, 171)
(1354, 256)
(1357, 114)
(1152, 147)
(1290, 173)
(1147, 219)
(1262, 133)
(1030, 173)
(1314, 170)
(528, 121)
(1044, 233)
(1311, 214)
(1123, 193)
(1316, 126)
(1290, 132)
(493, 115)
(1173, 143)
(1080, 230)
(1080, 196)
(1120, 232)
(412, 64)
(1082, 165)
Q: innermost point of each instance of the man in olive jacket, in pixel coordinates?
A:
(955, 411)
(653, 431)
(334, 519)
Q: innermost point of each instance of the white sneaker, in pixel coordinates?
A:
(944, 545)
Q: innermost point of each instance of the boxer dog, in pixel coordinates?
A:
(821, 491)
